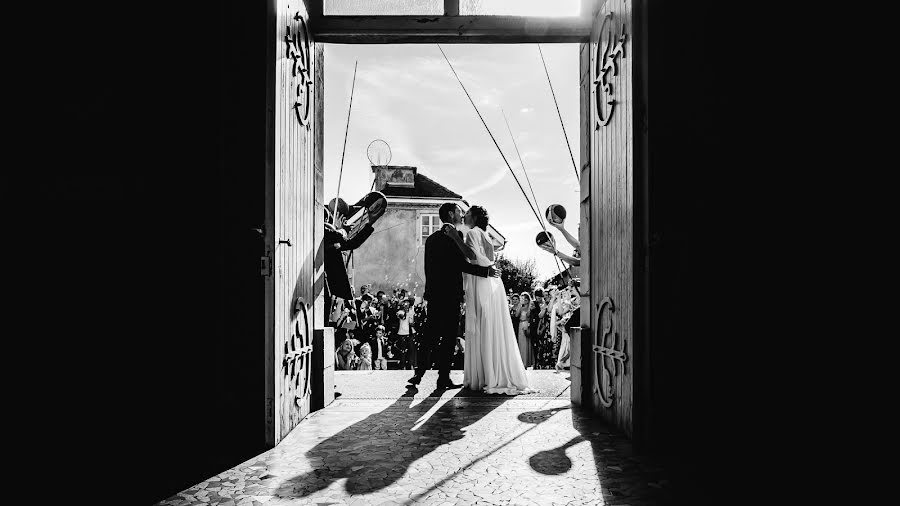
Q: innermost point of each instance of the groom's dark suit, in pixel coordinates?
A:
(444, 265)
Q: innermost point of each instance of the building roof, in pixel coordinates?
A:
(423, 187)
(404, 182)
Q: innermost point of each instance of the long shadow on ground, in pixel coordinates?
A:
(375, 452)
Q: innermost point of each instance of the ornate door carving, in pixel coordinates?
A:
(610, 351)
(611, 139)
(291, 203)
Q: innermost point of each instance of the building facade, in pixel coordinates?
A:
(394, 256)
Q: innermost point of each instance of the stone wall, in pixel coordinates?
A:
(391, 257)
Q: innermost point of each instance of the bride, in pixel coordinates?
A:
(492, 359)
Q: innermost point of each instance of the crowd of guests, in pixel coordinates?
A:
(378, 331)
(549, 323)
(543, 320)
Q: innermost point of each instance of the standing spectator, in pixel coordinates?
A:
(544, 356)
(380, 349)
(357, 302)
(364, 295)
(368, 318)
(405, 329)
(557, 309)
(571, 319)
(376, 306)
(390, 320)
(346, 321)
(523, 332)
(514, 306)
(567, 302)
(534, 325)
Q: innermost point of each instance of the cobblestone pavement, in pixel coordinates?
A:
(392, 384)
(445, 448)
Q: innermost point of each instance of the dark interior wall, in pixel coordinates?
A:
(151, 177)
(705, 245)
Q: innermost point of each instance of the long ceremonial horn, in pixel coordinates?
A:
(528, 180)
(346, 130)
(566, 136)
(536, 215)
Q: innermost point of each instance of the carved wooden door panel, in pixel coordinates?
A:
(611, 212)
(291, 181)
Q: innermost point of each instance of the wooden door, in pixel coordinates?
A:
(290, 216)
(607, 192)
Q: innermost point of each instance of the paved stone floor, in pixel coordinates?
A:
(392, 384)
(396, 444)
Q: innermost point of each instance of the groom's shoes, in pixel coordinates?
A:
(448, 385)
(415, 380)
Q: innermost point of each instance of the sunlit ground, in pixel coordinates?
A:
(440, 447)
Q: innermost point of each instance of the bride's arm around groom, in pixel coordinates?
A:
(467, 247)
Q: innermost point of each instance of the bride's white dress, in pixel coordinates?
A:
(492, 360)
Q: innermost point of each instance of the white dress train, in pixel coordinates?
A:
(492, 360)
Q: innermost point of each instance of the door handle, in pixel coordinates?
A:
(285, 241)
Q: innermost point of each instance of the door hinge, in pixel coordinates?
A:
(265, 265)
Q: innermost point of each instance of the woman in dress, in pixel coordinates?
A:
(492, 361)
(524, 331)
(558, 309)
(568, 305)
(514, 306)
(540, 338)
(572, 319)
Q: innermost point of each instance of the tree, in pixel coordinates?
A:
(517, 275)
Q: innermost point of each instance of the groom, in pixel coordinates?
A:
(444, 265)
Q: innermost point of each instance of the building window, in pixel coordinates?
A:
(428, 224)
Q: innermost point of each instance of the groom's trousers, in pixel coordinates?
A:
(439, 342)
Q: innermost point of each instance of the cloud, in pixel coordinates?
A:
(488, 183)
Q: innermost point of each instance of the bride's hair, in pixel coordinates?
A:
(480, 216)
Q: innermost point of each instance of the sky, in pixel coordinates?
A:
(407, 96)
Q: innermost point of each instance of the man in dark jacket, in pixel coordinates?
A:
(444, 265)
(337, 283)
(339, 239)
